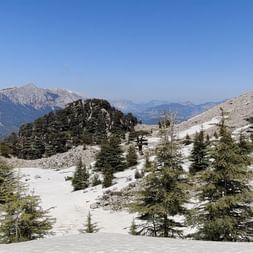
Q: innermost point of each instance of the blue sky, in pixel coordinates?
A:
(177, 50)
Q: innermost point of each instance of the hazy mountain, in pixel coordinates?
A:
(150, 112)
(24, 104)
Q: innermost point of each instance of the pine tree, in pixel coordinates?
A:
(133, 228)
(199, 154)
(108, 177)
(7, 182)
(111, 155)
(89, 226)
(225, 213)
(80, 179)
(22, 218)
(5, 150)
(110, 160)
(187, 140)
(162, 195)
(131, 156)
(244, 145)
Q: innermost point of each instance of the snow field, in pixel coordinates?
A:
(116, 243)
(71, 208)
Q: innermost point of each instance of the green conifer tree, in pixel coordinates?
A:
(199, 154)
(7, 182)
(22, 217)
(133, 228)
(225, 213)
(111, 155)
(244, 145)
(24, 220)
(131, 156)
(80, 179)
(187, 140)
(163, 193)
(108, 176)
(5, 149)
(89, 226)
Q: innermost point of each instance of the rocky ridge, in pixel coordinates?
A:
(238, 109)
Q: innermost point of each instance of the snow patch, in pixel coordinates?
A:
(197, 128)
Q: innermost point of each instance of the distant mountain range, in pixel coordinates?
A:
(24, 104)
(20, 105)
(150, 112)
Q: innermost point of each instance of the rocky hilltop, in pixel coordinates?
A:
(24, 104)
(81, 122)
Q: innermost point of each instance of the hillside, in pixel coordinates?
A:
(238, 109)
(24, 104)
(81, 122)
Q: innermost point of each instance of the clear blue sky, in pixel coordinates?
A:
(177, 50)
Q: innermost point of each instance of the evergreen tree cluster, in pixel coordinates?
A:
(163, 193)
(224, 192)
(219, 180)
(110, 159)
(81, 122)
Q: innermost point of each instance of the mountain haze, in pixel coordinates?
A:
(150, 112)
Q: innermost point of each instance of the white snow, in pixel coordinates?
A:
(198, 128)
(186, 152)
(116, 243)
(71, 208)
(241, 129)
(153, 141)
